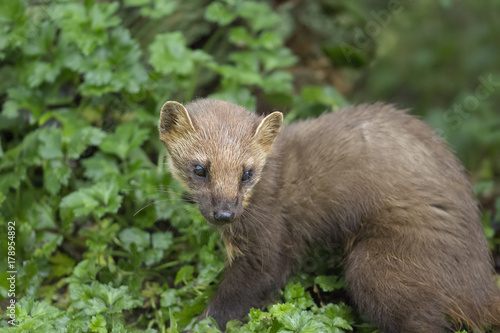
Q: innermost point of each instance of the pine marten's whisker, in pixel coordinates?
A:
(152, 191)
(157, 202)
(148, 205)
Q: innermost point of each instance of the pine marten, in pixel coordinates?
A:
(370, 178)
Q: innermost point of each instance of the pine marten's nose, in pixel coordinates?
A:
(223, 216)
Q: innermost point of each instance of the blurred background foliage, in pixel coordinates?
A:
(104, 241)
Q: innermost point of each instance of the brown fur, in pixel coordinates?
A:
(370, 178)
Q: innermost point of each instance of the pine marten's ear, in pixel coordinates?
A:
(174, 120)
(268, 129)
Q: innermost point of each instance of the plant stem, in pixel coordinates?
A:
(166, 265)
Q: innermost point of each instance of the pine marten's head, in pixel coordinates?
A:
(217, 150)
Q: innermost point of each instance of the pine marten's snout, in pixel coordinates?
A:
(222, 211)
(225, 212)
(223, 216)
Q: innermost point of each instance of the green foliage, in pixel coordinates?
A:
(82, 170)
(298, 314)
(104, 242)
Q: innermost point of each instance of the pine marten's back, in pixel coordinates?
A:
(352, 164)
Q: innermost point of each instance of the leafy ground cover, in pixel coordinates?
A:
(102, 239)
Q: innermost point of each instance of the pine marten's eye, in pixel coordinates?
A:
(200, 171)
(246, 176)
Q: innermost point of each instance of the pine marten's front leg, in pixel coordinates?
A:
(249, 282)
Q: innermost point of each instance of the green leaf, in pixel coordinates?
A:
(39, 317)
(13, 179)
(217, 12)
(42, 214)
(169, 55)
(61, 264)
(117, 299)
(75, 23)
(278, 309)
(88, 136)
(312, 325)
(210, 267)
(107, 195)
(50, 243)
(173, 322)
(272, 59)
(240, 36)
(98, 324)
(128, 236)
(114, 68)
(162, 240)
(207, 325)
(40, 72)
(101, 298)
(126, 137)
(341, 322)
(100, 167)
(28, 100)
(244, 74)
(290, 321)
(10, 109)
(95, 305)
(40, 42)
(101, 15)
(277, 82)
(98, 199)
(269, 40)
(325, 95)
(84, 298)
(329, 283)
(85, 271)
(295, 293)
(51, 143)
(259, 15)
(160, 9)
(185, 274)
(55, 174)
(44, 310)
(246, 60)
(334, 311)
(168, 298)
(80, 203)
